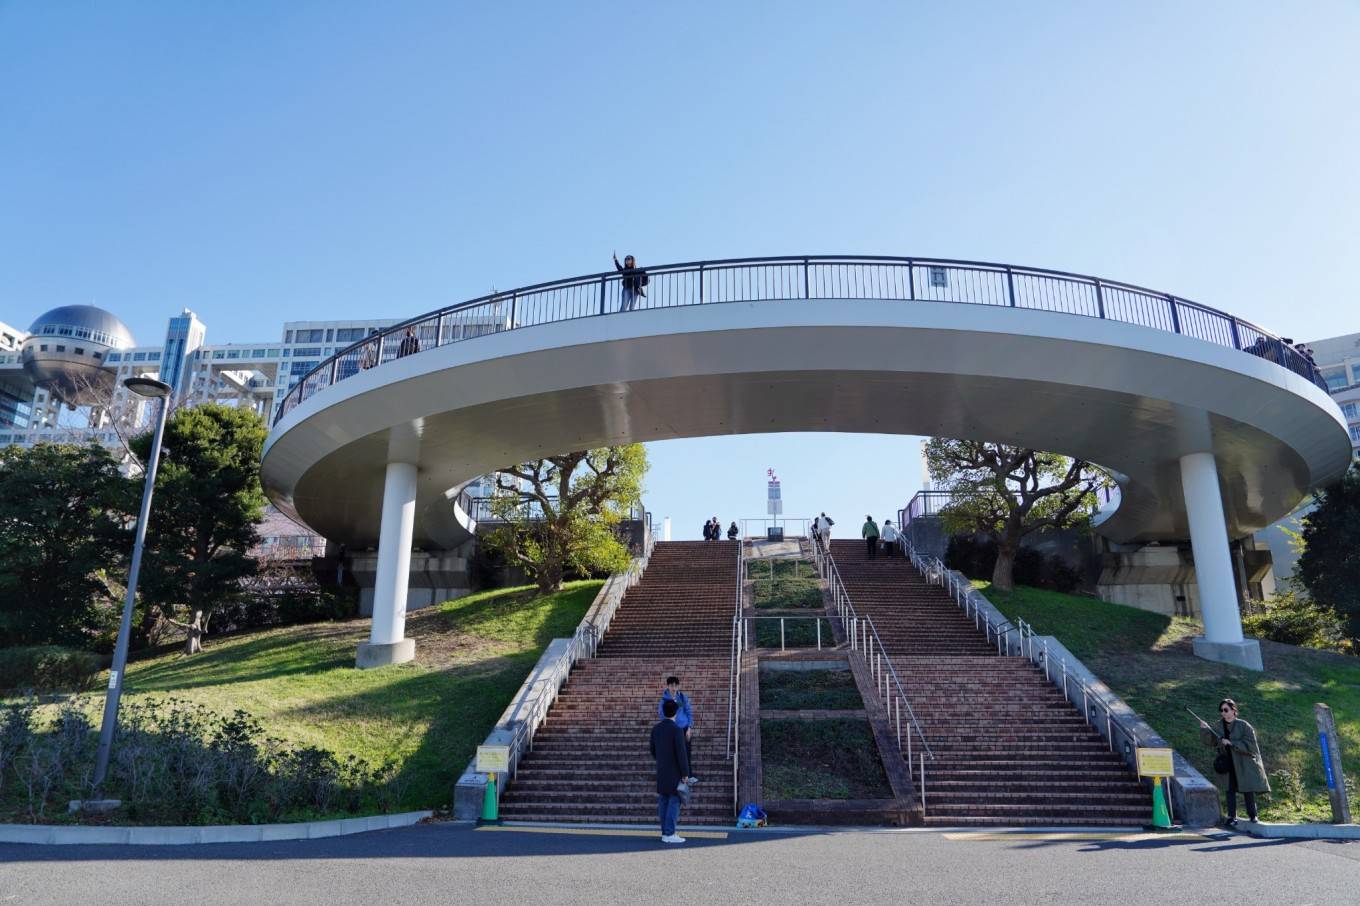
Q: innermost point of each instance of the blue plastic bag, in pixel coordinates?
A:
(752, 816)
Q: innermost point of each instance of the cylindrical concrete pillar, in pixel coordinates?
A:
(1209, 541)
(385, 642)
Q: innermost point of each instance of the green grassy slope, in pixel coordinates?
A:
(1146, 659)
(471, 656)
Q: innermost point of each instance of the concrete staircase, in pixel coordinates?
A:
(590, 760)
(1009, 749)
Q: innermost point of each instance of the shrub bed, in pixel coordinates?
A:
(47, 668)
(820, 759)
(178, 763)
(809, 690)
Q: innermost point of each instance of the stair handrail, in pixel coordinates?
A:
(967, 598)
(734, 677)
(585, 641)
(865, 640)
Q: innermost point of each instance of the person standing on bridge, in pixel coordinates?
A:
(672, 767)
(869, 533)
(733, 531)
(409, 344)
(634, 279)
(1235, 741)
(889, 536)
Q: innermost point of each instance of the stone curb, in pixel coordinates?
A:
(1302, 831)
(61, 835)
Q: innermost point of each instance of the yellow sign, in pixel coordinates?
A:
(1155, 763)
(494, 759)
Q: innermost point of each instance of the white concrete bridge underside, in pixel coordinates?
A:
(1206, 442)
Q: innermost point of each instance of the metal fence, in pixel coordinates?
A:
(798, 278)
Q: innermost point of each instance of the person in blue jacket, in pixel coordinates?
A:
(684, 715)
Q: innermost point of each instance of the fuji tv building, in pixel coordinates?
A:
(61, 381)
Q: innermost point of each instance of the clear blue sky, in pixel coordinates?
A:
(262, 160)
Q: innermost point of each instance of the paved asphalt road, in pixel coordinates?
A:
(445, 863)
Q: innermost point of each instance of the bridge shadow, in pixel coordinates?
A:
(428, 841)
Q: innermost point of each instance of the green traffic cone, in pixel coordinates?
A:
(1161, 818)
(489, 813)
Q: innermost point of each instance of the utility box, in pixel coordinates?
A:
(775, 533)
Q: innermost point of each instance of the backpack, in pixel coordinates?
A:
(752, 816)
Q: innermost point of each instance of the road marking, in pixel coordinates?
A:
(993, 837)
(601, 832)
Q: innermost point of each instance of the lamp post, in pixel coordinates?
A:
(151, 389)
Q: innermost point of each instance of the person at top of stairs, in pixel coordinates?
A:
(870, 535)
(889, 536)
(684, 716)
(672, 766)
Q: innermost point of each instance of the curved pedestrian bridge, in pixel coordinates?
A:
(1196, 413)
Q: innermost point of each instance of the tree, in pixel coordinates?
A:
(1008, 492)
(63, 512)
(1329, 565)
(203, 517)
(560, 512)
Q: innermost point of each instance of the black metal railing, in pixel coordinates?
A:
(796, 278)
(489, 509)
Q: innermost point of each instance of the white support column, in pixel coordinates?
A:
(386, 644)
(1222, 639)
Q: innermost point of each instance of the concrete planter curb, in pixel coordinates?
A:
(1302, 831)
(62, 835)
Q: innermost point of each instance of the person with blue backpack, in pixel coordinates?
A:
(684, 716)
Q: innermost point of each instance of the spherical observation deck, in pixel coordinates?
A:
(1131, 379)
(65, 352)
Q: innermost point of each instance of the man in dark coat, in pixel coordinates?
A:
(672, 766)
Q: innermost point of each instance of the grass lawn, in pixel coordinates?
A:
(1146, 658)
(799, 632)
(821, 759)
(787, 594)
(807, 690)
(472, 654)
(767, 568)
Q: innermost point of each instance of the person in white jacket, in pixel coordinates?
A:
(888, 535)
(822, 526)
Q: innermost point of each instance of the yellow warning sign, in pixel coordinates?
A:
(493, 759)
(1155, 763)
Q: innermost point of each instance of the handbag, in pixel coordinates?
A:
(1223, 760)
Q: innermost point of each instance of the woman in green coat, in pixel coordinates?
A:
(1246, 773)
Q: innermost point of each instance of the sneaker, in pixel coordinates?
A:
(673, 838)
(1231, 822)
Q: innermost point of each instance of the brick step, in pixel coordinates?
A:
(1133, 814)
(623, 798)
(1011, 773)
(1043, 821)
(1075, 786)
(941, 799)
(687, 819)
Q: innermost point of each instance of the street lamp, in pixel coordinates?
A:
(151, 389)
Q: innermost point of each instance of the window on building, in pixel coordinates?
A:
(48, 329)
(257, 353)
(309, 350)
(330, 336)
(1355, 433)
(113, 357)
(349, 334)
(42, 348)
(1351, 410)
(139, 357)
(61, 349)
(219, 354)
(80, 350)
(287, 336)
(233, 353)
(1335, 378)
(99, 355)
(153, 356)
(310, 336)
(83, 332)
(273, 354)
(63, 331)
